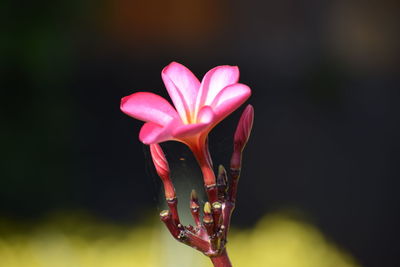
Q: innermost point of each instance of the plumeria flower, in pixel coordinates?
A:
(199, 106)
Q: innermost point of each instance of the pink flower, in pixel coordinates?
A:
(199, 107)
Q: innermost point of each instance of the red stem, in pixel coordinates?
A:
(227, 214)
(202, 155)
(173, 208)
(221, 260)
(233, 185)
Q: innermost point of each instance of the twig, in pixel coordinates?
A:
(209, 234)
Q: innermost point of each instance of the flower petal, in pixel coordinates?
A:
(148, 107)
(206, 115)
(213, 82)
(182, 87)
(229, 99)
(152, 133)
(189, 130)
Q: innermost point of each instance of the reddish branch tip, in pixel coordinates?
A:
(194, 208)
(193, 196)
(222, 182)
(222, 177)
(194, 201)
(208, 221)
(217, 212)
(207, 208)
(164, 213)
(216, 206)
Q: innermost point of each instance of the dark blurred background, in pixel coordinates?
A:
(325, 87)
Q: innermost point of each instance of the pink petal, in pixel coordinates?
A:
(148, 107)
(214, 81)
(229, 99)
(190, 130)
(206, 115)
(182, 87)
(152, 133)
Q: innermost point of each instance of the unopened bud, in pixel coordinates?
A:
(244, 127)
(208, 219)
(241, 137)
(222, 181)
(222, 177)
(217, 206)
(194, 200)
(159, 160)
(162, 169)
(217, 212)
(193, 196)
(164, 213)
(207, 208)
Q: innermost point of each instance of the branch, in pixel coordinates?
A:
(209, 235)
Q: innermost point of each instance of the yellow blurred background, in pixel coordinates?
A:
(278, 240)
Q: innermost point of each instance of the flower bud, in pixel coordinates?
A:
(194, 199)
(244, 127)
(162, 169)
(207, 208)
(241, 137)
(159, 160)
(222, 178)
